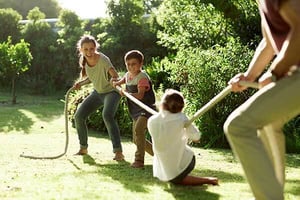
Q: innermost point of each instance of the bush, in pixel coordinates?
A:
(159, 75)
(292, 133)
(201, 75)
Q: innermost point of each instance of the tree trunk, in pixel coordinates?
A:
(13, 91)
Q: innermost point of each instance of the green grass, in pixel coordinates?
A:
(35, 126)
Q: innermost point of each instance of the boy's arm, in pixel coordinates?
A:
(143, 86)
(140, 94)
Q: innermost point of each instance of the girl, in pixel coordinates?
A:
(97, 69)
(173, 159)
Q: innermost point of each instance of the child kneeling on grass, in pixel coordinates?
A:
(173, 159)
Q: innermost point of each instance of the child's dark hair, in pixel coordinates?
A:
(81, 41)
(134, 54)
(172, 101)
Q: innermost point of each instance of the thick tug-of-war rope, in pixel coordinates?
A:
(66, 131)
(218, 98)
(138, 102)
(200, 112)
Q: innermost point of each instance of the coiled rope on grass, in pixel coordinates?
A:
(66, 132)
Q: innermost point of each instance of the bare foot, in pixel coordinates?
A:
(213, 181)
(118, 156)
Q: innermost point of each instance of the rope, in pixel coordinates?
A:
(66, 130)
(216, 99)
(138, 102)
(202, 110)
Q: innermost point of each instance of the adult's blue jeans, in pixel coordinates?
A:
(91, 103)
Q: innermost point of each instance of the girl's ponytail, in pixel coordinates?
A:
(82, 65)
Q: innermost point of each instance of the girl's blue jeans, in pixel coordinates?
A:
(91, 103)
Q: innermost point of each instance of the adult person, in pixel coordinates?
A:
(96, 68)
(254, 128)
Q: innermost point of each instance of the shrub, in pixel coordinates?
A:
(292, 133)
(202, 74)
(159, 75)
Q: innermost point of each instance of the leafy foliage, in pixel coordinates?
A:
(204, 23)
(71, 29)
(14, 60)
(126, 29)
(9, 23)
(201, 75)
(195, 46)
(43, 72)
(291, 131)
(50, 7)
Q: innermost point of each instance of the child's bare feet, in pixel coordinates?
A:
(82, 151)
(118, 156)
(212, 181)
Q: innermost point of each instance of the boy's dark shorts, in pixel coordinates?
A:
(178, 179)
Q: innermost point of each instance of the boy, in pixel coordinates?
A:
(138, 84)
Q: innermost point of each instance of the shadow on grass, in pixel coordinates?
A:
(295, 188)
(226, 177)
(14, 120)
(138, 180)
(293, 160)
(17, 117)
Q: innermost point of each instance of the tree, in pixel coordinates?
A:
(151, 4)
(49, 7)
(43, 72)
(14, 60)
(127, 28)
(204, 23)
(71, 29)
(9, 23)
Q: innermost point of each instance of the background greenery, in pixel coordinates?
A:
(194, 46)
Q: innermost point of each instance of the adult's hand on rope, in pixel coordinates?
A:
(234, 82)
(265, 79)
(240, 83)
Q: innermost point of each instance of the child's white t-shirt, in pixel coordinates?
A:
(172, 155)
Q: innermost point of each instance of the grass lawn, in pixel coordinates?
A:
(35, 126)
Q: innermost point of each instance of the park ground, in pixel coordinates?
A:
(35, 126)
